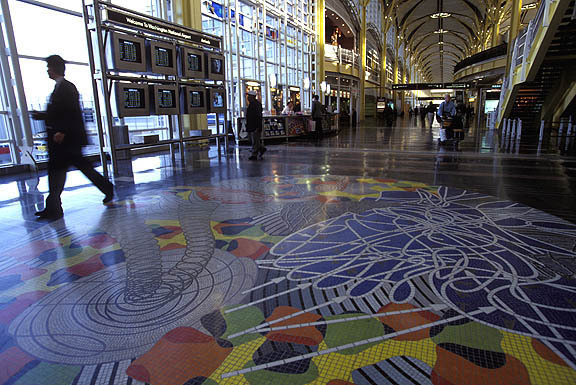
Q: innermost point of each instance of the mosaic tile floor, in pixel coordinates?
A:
(293, 280)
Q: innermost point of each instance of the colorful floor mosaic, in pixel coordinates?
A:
(294, 280)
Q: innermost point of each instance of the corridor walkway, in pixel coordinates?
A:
(372, 257)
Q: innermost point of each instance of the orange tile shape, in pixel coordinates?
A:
(451, 369)
(547, 353)
(400, 322)
(182, 354)
(307, 335)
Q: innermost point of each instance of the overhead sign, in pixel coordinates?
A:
(430, 86)
(172, 31)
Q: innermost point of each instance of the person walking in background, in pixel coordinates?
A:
(431, 110)
(254, 125)
(423, 111)
(66, 137)
(317, 111)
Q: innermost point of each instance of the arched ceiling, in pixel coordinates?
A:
(440, 32)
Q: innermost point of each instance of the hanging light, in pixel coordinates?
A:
(306, 83)
(272, 80)
(440, 15)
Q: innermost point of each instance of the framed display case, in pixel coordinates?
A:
(132, 99)
(192, 63)
(217, 100)
(128, 53)
(194, 100)
(162, 58)
(215, 66)
(164, 99)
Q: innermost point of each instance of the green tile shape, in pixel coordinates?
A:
(353, 331)
(473, 335)
(240, 320)
(259, 377)
(49, 374)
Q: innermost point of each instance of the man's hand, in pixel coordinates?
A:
(37, 115)
(58, 137)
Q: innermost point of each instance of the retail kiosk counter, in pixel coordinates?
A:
(289, 126)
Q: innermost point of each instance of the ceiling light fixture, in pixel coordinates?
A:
(440, 15)
(441, 31)
(529, 6)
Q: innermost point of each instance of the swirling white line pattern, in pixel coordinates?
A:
(473, 258)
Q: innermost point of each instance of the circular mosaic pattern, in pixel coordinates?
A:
(324, 244)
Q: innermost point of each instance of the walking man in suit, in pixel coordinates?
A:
(254, 125)
(66, 137)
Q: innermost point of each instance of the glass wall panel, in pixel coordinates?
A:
(144, 6)
(266, 48)
(53, 33)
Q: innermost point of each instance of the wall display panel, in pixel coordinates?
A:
(215, 66)
(164, 99)
(132, 99)
(194, 100)
(217, 100)
(162, 58)
(128, 53)
(192, 63)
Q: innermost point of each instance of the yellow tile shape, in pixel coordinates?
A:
(336, 193)
(340, 367)
(541, 371)
(237, 360)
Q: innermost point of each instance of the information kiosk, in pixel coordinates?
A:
(143, 66)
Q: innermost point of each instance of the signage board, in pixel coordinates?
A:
(429, 86)
(172, 31)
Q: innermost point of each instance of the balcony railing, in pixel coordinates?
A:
(341, 55)
(480, 57)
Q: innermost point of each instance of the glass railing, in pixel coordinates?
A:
(480, 57)
(341, 55)
(522, 48)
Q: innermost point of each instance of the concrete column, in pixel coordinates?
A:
(383, 60)
(496, 25)
(186, 13)
(514, 27)
(320, 42)
(362, 112)
(396, 53)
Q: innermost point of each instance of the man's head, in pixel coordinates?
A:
(290, 104)
(251, 96)
(447, 98)
(430, 103)
(56, 66)
(316, 97)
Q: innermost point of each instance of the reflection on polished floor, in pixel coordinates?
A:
(372, 257)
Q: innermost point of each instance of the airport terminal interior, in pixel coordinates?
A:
(410, 220)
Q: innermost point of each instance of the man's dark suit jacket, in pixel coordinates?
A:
(65, 115)
(254, 116)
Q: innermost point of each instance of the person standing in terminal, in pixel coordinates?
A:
(317, 110)
(447, 109)
(431, 110)
(423, 111)
(254, 125)
(289, 109)
(66, 137)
